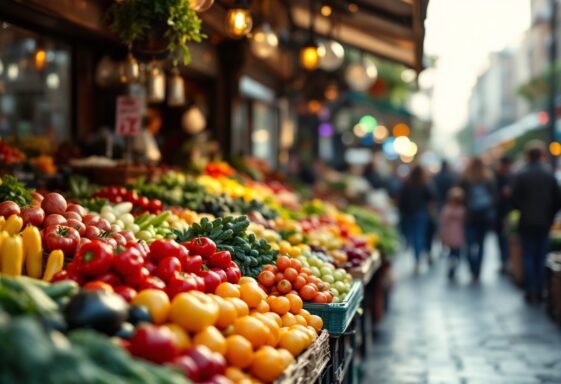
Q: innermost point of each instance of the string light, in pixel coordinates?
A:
(326, 10)
(238, 20)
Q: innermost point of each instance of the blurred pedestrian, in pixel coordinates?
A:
(372, 174)
(535, 194)
(414, 201)
(503, 180)
(452, 231)
(443, 181)
(479, 189)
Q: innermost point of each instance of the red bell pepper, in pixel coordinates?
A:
(220, 260)
(94, 258)
(202, 246)
(128, 261)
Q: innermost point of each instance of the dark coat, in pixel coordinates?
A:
(414, 199)
(536, 195)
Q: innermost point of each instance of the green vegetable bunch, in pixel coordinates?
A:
(12, 189)
(230, 234)
(132, 20)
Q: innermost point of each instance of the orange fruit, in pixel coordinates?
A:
(286, 356)
(236, 375)
(212, 338)
(247, 279)
(274, 316)
(295, 341)
(267, 364)
(310, 333)
(252, 329)
(252, 294)
(316, 322)
(296, 303)
(288, 320)
(263, 307)
(241, 307)
(228, 290)
(300, 320)
(227, 312)
(239, 351)
(280, 305)
(157, 303)
(307, 315)
(273, 327)
(181, 339)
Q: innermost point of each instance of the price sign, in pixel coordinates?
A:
(129, 115)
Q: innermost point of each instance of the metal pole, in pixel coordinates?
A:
(552, 81)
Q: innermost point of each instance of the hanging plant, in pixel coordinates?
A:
(134, 20)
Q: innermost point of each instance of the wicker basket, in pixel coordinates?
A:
(337, 316)
(310, 364)
(365, 272)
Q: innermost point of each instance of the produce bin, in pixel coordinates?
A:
(337, 316)
(310, 365)
(365, 272)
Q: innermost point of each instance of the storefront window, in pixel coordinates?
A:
(34, 85)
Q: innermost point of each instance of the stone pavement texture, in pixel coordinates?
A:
(462, 333)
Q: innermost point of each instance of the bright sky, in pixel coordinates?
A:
(462, 34)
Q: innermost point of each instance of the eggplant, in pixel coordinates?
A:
(105, 312)
(139, 314)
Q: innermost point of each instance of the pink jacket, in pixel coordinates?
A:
(452, 226)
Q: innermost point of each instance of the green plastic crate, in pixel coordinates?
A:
(337, 316)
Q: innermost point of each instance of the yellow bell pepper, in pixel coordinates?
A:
(11, 253)
(32, 252)
(55, 263)
(2, 221)
(3, 235)
(13, 224)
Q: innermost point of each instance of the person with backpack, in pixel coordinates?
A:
(535, 193)
(479, 191)
(415, 199)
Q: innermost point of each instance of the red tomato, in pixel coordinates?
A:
(125, 292)
(284, 286)
(152, 282)
(320, 298)
(234, 274)
(163, 248)
(136, 278)
(266, 278)
(98, 286)
(110, 278)
(128, 261)
(179, 283)
(62, 237)
(307, 292)
(290, 274)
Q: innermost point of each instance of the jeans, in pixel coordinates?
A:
(534, 248)
(453, 261)
(475, 235)
(503, 248)
(417, 232)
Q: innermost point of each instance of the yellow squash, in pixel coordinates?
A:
(11, 253)
(13, 225)
(54, 264)
(32, 252)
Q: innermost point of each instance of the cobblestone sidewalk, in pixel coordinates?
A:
(461, 333)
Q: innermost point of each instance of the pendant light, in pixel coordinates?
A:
(264, 42)
(176, 89)
(129, 69)
(309, 56)
(200, 5)
(361, 75)
(238, 20)
(156, 87)
(331, 55)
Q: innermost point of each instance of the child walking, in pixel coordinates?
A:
(452, 228)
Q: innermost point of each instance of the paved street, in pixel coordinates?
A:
(459, 333)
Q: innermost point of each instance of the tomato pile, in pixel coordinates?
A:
(10, 155)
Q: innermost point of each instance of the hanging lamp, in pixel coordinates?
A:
(309, 56)
(238, 20)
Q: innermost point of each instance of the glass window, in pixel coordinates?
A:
(34, 85)
(265, 132)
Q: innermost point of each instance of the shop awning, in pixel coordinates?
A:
(391, 29)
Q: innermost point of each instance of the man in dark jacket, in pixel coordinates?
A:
(503, 181)
(535, 194)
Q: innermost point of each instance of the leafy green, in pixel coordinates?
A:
(12, 189)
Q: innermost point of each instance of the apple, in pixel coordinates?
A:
(9, 208)
(33, 216)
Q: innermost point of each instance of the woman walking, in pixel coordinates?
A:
(414, 201)
(479, 190)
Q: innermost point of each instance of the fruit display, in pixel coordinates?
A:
(201, 278)
(10, 155)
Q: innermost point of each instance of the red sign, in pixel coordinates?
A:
(129, 115)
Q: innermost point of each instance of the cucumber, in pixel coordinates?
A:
(62, 289)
